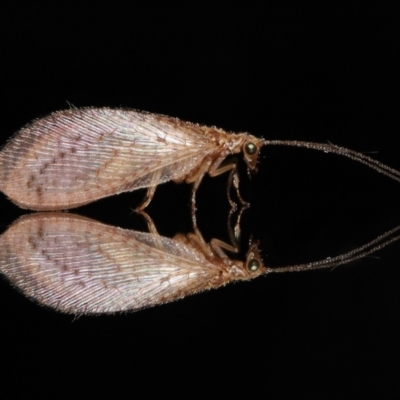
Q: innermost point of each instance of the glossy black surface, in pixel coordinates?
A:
(299, 72)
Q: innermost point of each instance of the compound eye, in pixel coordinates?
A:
(253, 265)
(250, 148)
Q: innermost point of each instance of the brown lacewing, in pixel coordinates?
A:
(77, 265)
(76, 156)
(73, 157)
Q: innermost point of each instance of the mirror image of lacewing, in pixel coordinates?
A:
(76, 156)
(77, 265)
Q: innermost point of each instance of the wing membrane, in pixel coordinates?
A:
(78, 265)
(76, 156)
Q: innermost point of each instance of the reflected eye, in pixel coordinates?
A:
(250, 148)
(253, 265)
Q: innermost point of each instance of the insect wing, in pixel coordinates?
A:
(76, 156)
(78, 265)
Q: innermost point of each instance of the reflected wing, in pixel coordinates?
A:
(76, 156)
(78, 265)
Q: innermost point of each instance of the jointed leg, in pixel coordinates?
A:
(214, 249)
(214, 169)
(234, 180)
(196, 177)
(234, 233)
(155, 180)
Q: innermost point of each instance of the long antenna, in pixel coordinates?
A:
(342, 151)
(371, 247)
(379, 243)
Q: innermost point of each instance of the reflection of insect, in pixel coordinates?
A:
(76, 156)
(78, 265)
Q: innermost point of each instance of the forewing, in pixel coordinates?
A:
(78, 265)
(76, 156)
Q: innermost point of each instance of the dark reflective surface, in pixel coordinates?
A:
(285, 72)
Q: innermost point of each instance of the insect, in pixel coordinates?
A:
(77, 265)
(76, 156)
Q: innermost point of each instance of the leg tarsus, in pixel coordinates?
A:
(152, 185)
(234, 181)
(152, 229)
(150, 224)
(235, 232)
(147, 199)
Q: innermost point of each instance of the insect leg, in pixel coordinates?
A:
(152, 229)
(216, 169)
(214, 249)
(155, 180)
(213, 167)
(196, 177)
(234, 232)
(150, 224)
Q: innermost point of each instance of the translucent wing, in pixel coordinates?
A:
(78, 265)
(76, 156)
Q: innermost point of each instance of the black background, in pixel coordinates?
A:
(302, 71)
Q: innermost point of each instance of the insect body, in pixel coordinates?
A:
(76, 156)
(73, 157)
